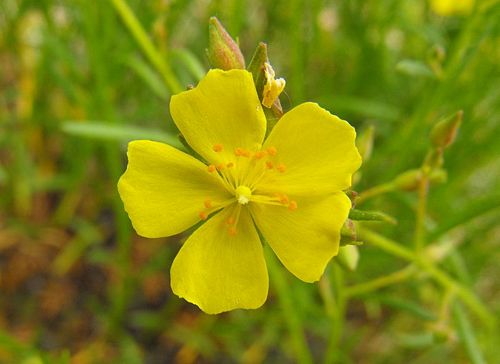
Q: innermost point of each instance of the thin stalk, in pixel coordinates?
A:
(377, 283)
(423, 191)
(468, 297)
(147, 46)
(337, 317)
(291, 316)
(374, 191)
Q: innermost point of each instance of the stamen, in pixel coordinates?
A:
(272, 151)
(211, 168)
(221, 166)
(281, 167)
(292, 205)
(240, 152)
(211, 207)
(230, 165)
(218, 148)
(283, 199)
(269, 165)
(266, 200)
(232, 221)
(259, 154)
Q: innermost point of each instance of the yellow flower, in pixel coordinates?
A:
(289, 186)
(452, 7)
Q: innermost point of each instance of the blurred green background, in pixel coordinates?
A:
(78, 285)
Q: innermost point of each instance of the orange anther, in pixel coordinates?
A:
(221, 166)
(292, 205)
(207, 203)
(272, 151)
(281, 167)
(211, 168)
(284, 199)
(238, 151)
(259, 154)
(230, 165)
(232, 231)
(246, 153)
(230, 220)
(269, 165)
(203, 215)
(218, 148)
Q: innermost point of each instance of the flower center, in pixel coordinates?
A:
(243, 194)
(241, 172)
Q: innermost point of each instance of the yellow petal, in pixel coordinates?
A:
(317, 149)
(224, 111)
(306, 238)
(164, 189)
(220, 272)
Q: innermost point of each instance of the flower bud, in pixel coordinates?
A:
(364, 142)
(348, 257)
(444, 132)
(223, 52)
(409, 180)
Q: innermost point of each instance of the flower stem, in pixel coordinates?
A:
(337, 315)
(423, 190)
(373, 285)
(141, 37)
(374, 191)
(291, 316)
(468, 297)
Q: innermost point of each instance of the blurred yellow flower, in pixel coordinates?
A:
(452, 7)
(289, 186)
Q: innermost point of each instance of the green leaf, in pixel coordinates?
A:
(466, 333)
(416, 340)
(408, 306)
(360, 215)
(189, 60)
(149, 76)
(364, 107)
(414, 68)
(99, 130)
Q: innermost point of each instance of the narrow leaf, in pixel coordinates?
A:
(100, 130)
(466, 333)
(360, 215)
(149, 76)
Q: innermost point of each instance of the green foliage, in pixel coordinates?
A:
(78, 284)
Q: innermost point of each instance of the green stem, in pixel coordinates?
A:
(373, 285)
(374, 191)
(468, 297)
(423, 190)
(337, 317)
(147, 45)
(291, 316)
